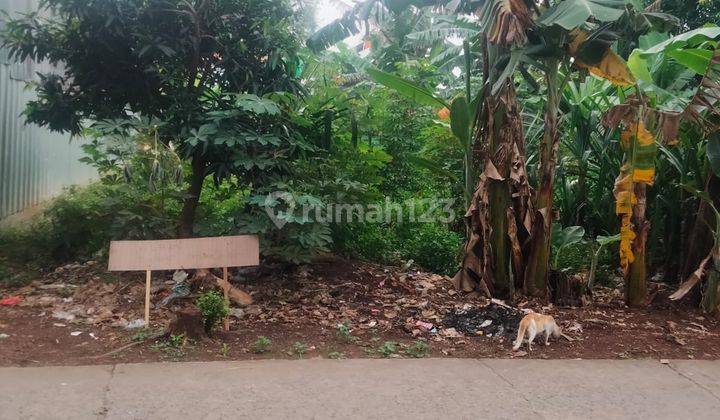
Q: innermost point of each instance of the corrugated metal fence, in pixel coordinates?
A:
(35, 164)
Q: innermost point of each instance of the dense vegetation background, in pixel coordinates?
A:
(195, 112)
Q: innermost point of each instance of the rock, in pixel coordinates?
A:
(237, 312)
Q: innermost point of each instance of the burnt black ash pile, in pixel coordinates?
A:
(492, 320)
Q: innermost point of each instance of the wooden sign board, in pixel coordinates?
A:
(178, 254)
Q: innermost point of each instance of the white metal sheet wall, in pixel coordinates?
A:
(35, 164)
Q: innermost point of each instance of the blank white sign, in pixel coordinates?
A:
(177, 254)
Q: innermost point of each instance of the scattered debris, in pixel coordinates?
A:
(76, 333)
(4, 336)
(138, 323)
(65, 316)
(11, 301)
(494, 319)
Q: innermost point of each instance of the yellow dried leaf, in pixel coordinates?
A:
(644, 176)
(611, 68)
(644, 137)
(627, 236)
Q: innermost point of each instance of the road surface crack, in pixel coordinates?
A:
(507, 381)
(690, 378)
(103, 411)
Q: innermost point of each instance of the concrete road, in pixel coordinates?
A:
(342, 389)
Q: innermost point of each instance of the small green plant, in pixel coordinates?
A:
(387, 349)
(299, 349)
(344, 334)
(177, 340)
(213, 308)
(261, 345)
(141, 336)
(224, 350)
(336, 355)
(418, 349)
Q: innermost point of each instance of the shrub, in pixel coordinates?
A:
(344, 334)
(299, 349)
(387, 349)
(261, 345)
(432, 246)
(213, 308)
(417, 349)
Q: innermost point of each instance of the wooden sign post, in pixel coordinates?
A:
(183, 254)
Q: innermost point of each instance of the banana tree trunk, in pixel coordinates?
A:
(636, 275)
(701, 239)
(538, 260)
(498, 218)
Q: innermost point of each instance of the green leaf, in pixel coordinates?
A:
(713, 153)
(690, 38)
(460, 119)
(695, 59)
(639, 67)
(607, 240)
(406, 88)
(570, 14)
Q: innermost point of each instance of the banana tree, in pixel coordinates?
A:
(650, 118)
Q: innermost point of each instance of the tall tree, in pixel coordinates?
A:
(177, 62)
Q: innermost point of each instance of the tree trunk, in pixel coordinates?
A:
(498, 218)
(701, 238)
(636, 276)
(709, 301)
(187, 215)
(537, 267)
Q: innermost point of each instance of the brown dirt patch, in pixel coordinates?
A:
(378, 303)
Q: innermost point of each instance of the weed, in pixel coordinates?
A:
(174, 348)
(261, 345)
(418, 349)
(213, 308)
(141, 335)
(177, 341)
(387, 349)
(224, 350)
(344, 334)
(336, 355)
(299, 348)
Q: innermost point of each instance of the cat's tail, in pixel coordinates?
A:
(521, 335)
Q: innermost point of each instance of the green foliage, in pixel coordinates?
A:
(224, 350)
(140, 336)
(299, 349)
(213, 308)
(563, 238)
(387, 349)
(417, 349)
(261, 345)
(431, 246)
(336, 355)
(344, 334)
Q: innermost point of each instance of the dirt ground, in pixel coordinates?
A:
(79, 314)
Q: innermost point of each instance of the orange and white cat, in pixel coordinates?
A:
(533, 324)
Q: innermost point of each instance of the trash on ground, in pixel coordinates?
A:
(138, 323)
(64, 315)
(11, 301)
(496, 318)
